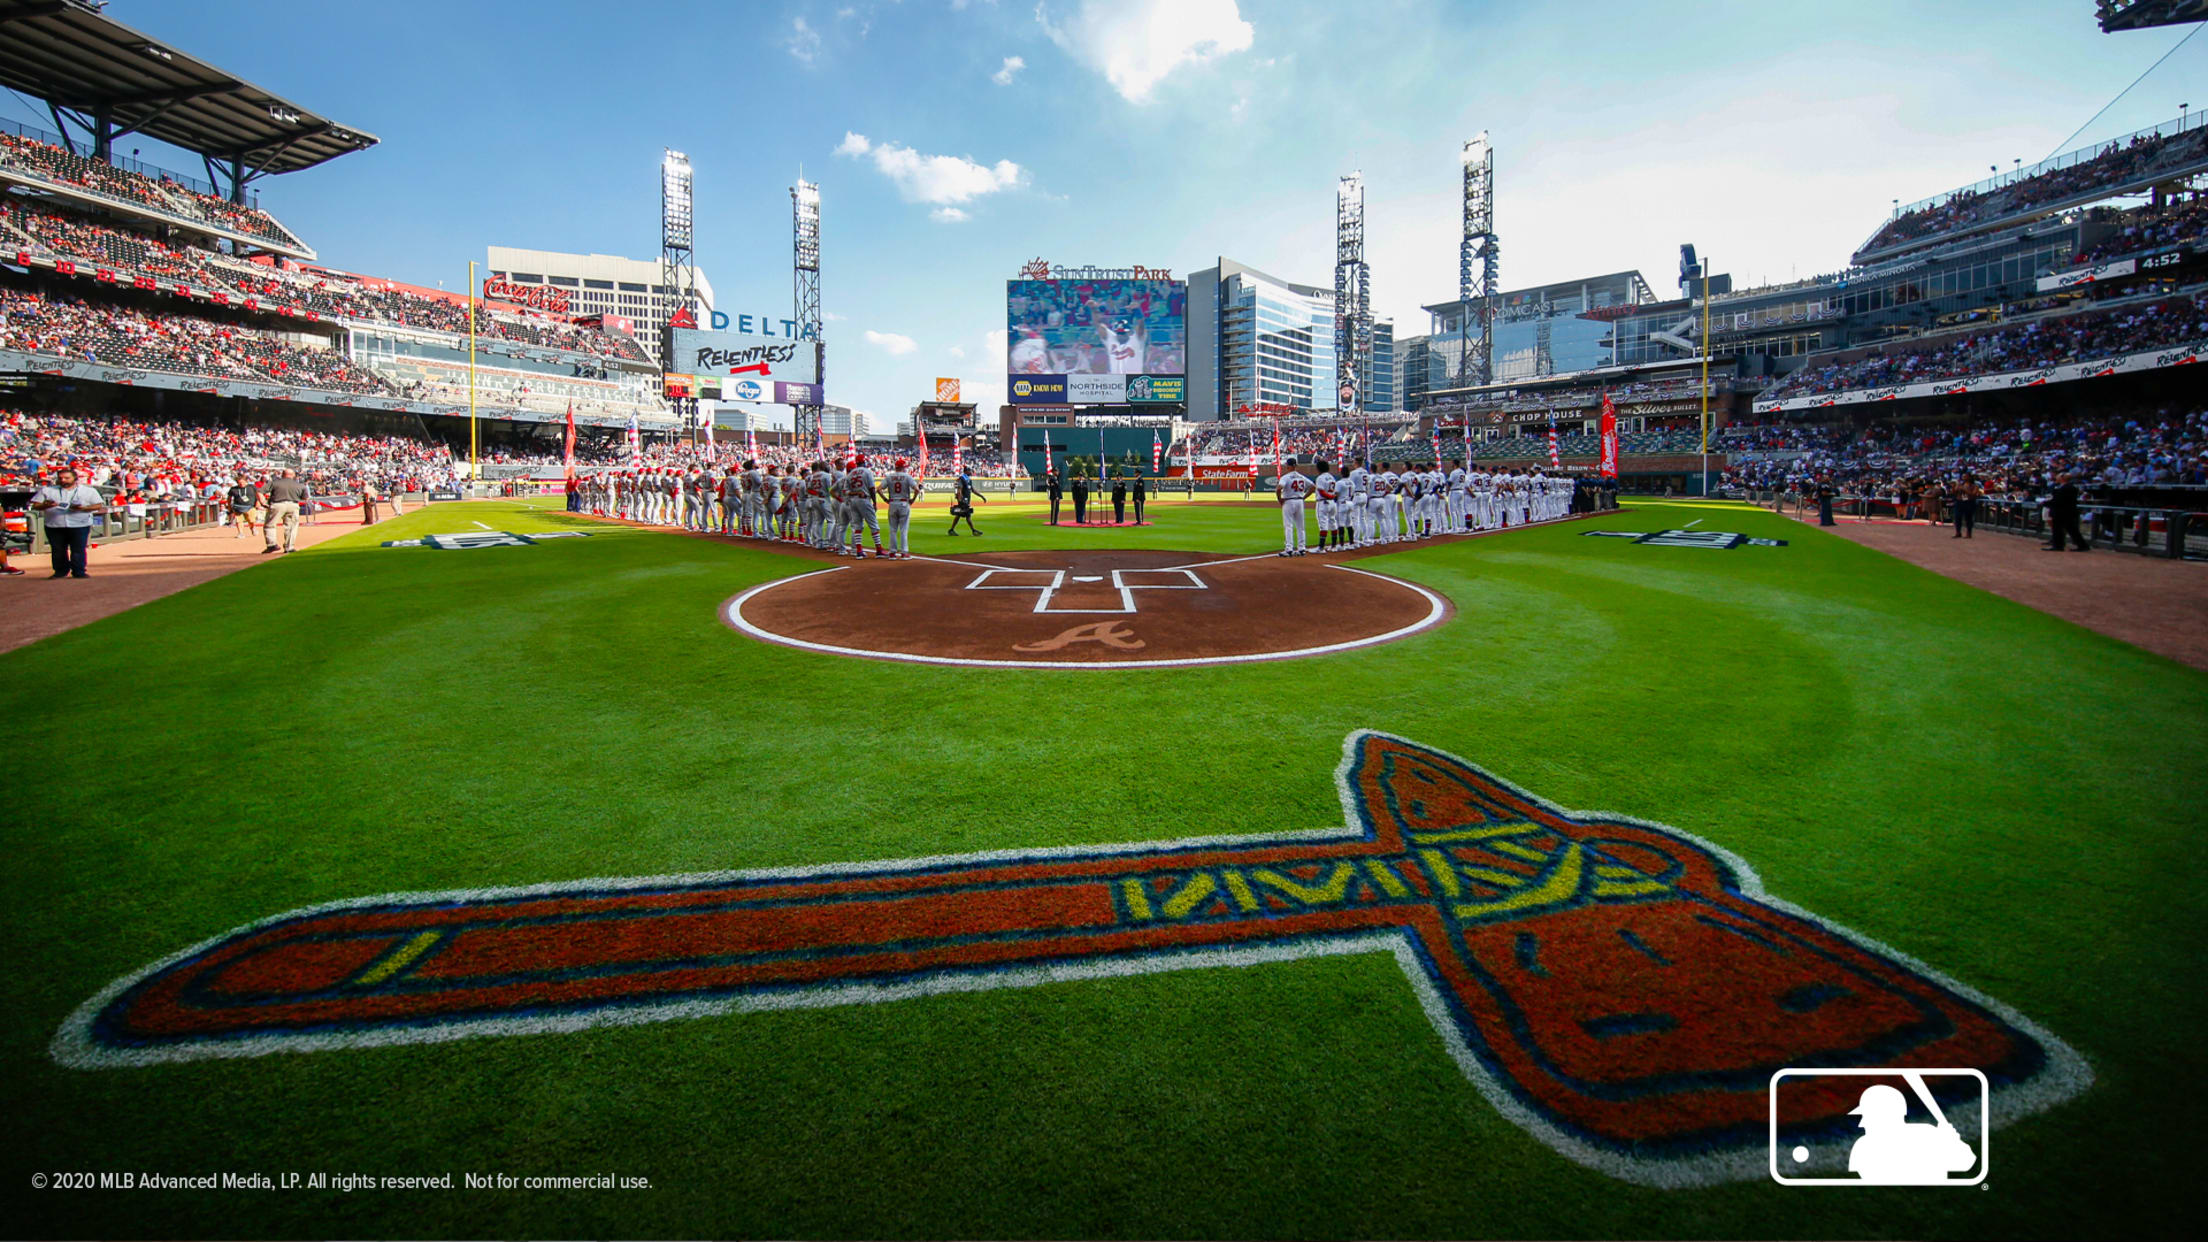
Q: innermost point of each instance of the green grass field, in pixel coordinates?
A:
(2000, 794)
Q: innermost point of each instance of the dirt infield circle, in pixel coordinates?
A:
(1089, 610)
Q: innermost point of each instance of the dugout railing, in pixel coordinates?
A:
(2174, 532)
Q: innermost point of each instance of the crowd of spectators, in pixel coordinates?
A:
(74, 235)
(2018, 459)
(2146, 228)
(181, 344)
(163, 460)
(2118, 163)
(2014, 347)
(51, 163)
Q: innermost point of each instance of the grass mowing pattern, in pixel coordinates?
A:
(1968, 780)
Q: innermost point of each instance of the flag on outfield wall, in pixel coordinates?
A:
(636, 442)
(1609, 438)
(1157, 453)
(1554, 460)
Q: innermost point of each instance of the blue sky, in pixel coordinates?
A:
(1157, 132)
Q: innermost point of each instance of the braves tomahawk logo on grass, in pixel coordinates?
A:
(1621, 989)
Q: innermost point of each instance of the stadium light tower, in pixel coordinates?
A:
(1352, 296)
(805, 280)
(1476, 261)
(678, 266)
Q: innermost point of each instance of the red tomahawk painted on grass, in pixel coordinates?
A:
(1622, 990)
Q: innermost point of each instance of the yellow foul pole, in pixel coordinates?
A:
(1705, 378)
(474, 469)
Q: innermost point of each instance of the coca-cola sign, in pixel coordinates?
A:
(546, 298)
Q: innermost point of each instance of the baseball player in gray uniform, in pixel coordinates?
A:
(858, 508)
(900, 490)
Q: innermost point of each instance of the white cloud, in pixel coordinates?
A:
(891, 342)
(1011, 68)
(804, 41)
(937, 179)
(832, 317)
(1136, 43)
(958, 351)
(947, 215)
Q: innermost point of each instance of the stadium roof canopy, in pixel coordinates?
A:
(72, 56)
(2139, 14)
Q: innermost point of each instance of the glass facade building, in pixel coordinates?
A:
(1255, 338)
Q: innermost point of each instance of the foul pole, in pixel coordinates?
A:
(474, 470)
(1705, 377)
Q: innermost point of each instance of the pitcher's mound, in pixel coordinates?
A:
(1076, 609)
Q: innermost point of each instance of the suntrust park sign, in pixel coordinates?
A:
(542, 297)
(1040, 269)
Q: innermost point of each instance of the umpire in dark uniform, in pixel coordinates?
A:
(1119, 498)
(1142, 491)
(2062, 516)
(1825, 492)
(1080, 498)
(1057, 488)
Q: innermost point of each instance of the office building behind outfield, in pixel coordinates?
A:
(1540, 331)
(1254, 339)
(591, 284)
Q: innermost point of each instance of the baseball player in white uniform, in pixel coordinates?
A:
(1355, 496)
(1331, 526)
(1458, 509)
(1292, 490)
(901, 490)
(1382, 506)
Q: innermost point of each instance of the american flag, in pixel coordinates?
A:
(958, 457)
(1157, 454)
(923, 455)
(1554, 460)
(1279, 465)
(1437, 441)
(751, 443)
(636, 442)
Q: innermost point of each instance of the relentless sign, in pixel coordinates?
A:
(762, 359)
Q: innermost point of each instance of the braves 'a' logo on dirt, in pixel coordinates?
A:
(1113, 634)
(1620, 989)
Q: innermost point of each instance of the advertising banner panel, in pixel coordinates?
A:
(1096, 389)
(749, 364)
(1157, 389)
(1036, 389)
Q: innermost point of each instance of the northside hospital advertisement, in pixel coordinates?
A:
(757, 359)
(1096, 336)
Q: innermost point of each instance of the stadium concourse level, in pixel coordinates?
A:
(181, 344)
(2144, 156)
(280, 285)
(47, 162)
(128, 457)
(2013, 347)
(2018, 459)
